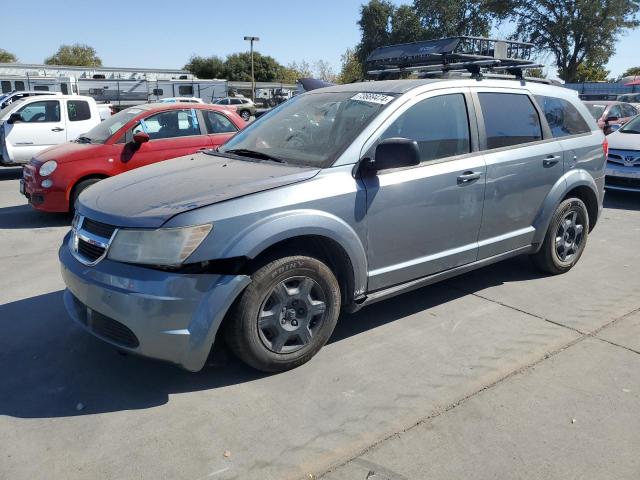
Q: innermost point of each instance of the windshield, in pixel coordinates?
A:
(311, 129)
(631, 127)
(596, 111)
(103, 131)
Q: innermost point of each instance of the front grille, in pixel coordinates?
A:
(623, 182)
(89, 251)
(100, 229)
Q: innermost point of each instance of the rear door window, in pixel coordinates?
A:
(563, 118)
(615, 111)
(440, 125)
(78, 110)
(509, 119)
(218, 123)
(41, 112)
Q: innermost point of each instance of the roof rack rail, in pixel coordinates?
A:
(472, 54)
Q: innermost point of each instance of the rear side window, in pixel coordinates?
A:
(45, 111)
(78, 110)
(563, 118)
(440, 125)
(509, 119)
(629, 110)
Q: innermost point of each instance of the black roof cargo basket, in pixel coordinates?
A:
(472, 54)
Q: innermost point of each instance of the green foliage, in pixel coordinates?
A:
(576, 32)
(450, 18)
(206, 67)
(592, 71)
(77, 54)
(7, 57)
(631, 72)
(351, 70)
(238, 67)
(382, 23)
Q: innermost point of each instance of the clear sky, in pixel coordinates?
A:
(164, 34)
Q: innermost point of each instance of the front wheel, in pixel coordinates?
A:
(246, 115)
(78, 189)
(286, 315)
(565, 239)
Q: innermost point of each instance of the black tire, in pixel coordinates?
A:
(269, 296)
(550, 257)
(246, 115)
(78, 189)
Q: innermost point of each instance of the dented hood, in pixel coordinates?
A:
(147, 197)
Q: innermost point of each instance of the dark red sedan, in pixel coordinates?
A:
(130, 139)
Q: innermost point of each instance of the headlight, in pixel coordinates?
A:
(48, 168)
(165, 246)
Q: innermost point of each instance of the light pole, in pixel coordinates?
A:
(253, 78)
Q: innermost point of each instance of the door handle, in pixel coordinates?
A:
(468, 177)
(551, 160)
(57, 129)
(204, 149)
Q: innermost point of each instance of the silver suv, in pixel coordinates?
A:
(339, 198)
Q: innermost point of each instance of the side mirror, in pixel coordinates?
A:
(611, 119)
(14, 118)
(396, 153)
(140, 138)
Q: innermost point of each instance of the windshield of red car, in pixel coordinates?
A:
(104, 130)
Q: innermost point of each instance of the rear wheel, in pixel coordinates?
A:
(78, 189)
(246, 115)
(565, 239)
(286, 315)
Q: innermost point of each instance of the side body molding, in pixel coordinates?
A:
(280, 226)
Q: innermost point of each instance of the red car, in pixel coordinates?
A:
(611, 115)
(130, 139)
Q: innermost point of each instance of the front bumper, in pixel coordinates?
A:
(619, 177)
(52, 199)
(167, 316)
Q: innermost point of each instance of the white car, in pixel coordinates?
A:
(35, 123)
(182, 100)
(623, 162)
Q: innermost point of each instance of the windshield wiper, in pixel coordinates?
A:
(245, 152)
(83, 140)
(629, 131)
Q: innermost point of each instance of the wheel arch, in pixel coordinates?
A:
(578, 183)
(72, 185)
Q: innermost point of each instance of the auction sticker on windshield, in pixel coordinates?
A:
(372, 98)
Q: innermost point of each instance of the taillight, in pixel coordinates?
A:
(605, 148)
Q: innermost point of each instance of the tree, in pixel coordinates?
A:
(302, 69)
(375, 20)
(450, 18)
(406, 26)
(351, 70)
(7, 57)
(77, 54)
(592, 71)
(323, 71)
(575, 31)
(206, 67)
(238, 67)
(631, 72)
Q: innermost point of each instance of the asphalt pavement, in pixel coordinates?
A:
(500, 373)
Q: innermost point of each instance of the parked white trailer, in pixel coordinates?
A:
(64, 85)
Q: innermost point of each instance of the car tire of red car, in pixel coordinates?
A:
(565, 239)
(285, 315)
(78, 189)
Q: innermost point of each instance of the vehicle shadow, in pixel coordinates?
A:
(10, 173)
(25, 216)
(620, 200)
(48, 365)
